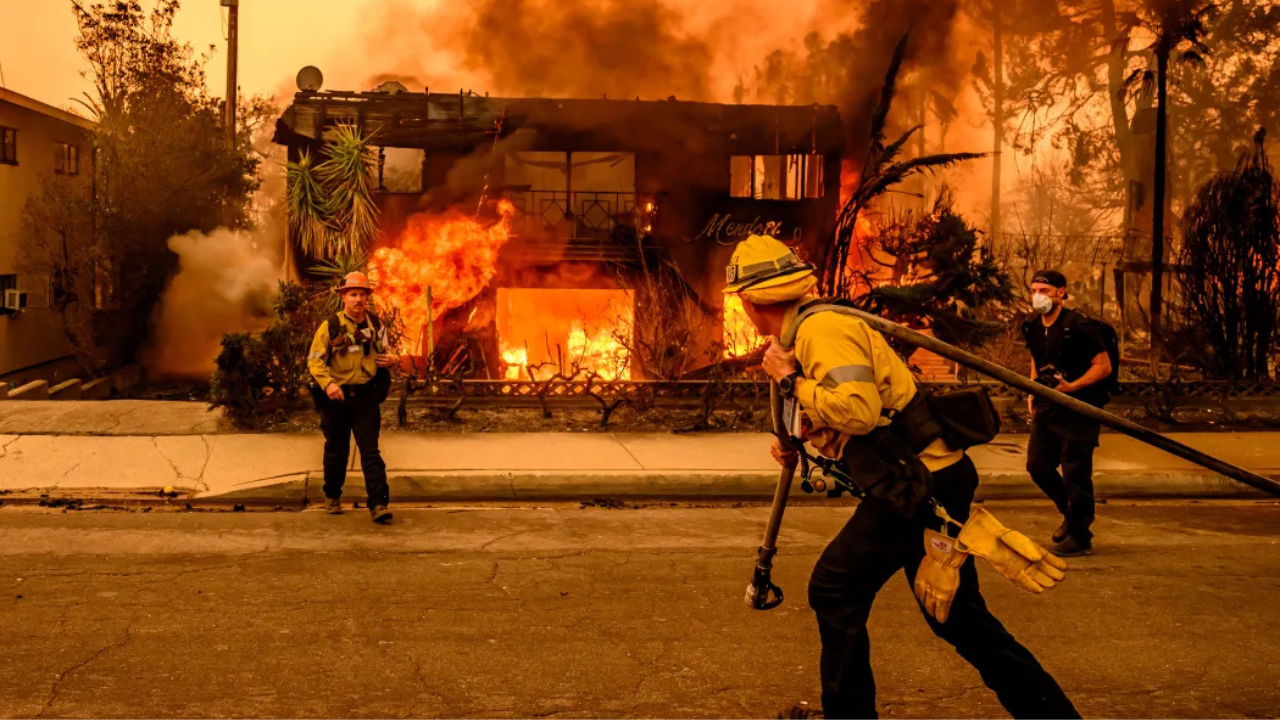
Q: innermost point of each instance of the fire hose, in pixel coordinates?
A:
(762, 594)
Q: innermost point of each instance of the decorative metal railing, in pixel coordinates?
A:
(580, 215)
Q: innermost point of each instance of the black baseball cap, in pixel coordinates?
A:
(1051, 277)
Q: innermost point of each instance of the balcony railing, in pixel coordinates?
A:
(583, 215)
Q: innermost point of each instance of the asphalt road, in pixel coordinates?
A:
(562, 611)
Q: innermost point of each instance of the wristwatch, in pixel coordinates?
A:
(787, 385)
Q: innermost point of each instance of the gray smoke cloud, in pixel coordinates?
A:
(225, 282)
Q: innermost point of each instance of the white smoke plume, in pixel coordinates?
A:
(225, 282)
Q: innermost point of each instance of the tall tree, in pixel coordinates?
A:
(1180, 27)
(162, 167)
(1231, 250)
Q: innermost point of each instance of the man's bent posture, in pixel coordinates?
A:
(850, 382)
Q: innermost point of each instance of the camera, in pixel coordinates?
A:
(1049, 376)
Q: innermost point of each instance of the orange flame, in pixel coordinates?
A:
(517, 360)
(848, 180)
(573, 332)
(740, 336)
(454, 255)
(601, 351)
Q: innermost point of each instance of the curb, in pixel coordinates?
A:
(302, 489)
(438, 486)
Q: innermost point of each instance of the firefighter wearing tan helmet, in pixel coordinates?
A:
(350, 369)
(860, 405)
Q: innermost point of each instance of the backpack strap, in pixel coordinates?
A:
(788, 338)
(335, 328)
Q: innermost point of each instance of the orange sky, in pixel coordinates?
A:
(277, 38)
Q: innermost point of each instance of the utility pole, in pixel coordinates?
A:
(998, 120)
(233, 50)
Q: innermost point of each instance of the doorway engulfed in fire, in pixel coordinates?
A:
(567, 236)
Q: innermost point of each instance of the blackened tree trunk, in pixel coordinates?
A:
(1157, 224)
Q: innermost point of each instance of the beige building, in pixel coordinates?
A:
(36, 142)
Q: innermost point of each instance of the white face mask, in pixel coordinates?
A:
(1043, 304)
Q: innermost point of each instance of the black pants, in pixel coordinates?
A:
(1067, 441)
(872, 547)
(358, 415)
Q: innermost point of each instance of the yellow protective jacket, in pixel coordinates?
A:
(349, 365)
(851, 375)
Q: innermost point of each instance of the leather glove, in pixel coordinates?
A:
(938, 577)
(1011, 553)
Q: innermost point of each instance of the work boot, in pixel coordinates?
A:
(800, 711)
(1070, 547)
(1061, 533)
(333, 506)
(380, 514)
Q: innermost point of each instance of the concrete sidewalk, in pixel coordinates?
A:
(284, 469)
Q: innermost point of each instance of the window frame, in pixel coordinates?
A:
(66, 159)
(805, 170)
(8, 139)
(8, 281)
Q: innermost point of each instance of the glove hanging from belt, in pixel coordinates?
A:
(1011, 553)
(938, 577)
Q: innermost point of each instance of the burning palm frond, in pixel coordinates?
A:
(880, 172)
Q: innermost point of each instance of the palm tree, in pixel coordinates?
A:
(1180, 27)
(331, 208)
(880, 172)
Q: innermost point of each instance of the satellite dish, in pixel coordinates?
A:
(310, 79)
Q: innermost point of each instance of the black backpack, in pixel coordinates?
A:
(1110, 341)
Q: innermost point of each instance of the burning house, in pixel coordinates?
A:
(528, 236)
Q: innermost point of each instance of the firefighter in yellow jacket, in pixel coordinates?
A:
(349, 363)
(849, 382)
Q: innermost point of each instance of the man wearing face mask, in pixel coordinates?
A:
(1069, 352)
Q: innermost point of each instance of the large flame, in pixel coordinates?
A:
(454, 255)
(740, 336)
(570, 332)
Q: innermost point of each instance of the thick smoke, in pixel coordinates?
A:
(622, 49)
(771, 51)
(577, 48)
(226, 281)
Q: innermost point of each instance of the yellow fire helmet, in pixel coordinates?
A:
(762, 263)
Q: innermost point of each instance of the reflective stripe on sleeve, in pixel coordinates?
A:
(846, 374)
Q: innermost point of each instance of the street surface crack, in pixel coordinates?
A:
(4, 449)
(208, 455)
(70, 470)
(53, 691)
(177, 474)
(500, 538)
